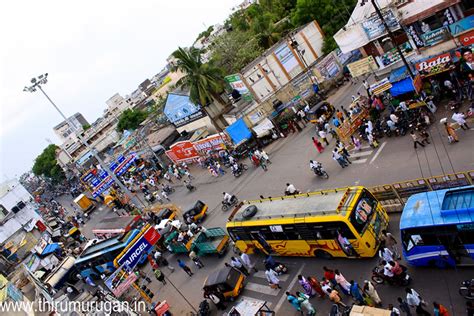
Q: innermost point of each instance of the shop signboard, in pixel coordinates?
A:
(467, 39)
(362, 66)
(436, 36)
(392, 56)
(286, 57)
(374, 27)
(180, 110)
(213, 142)
(182, 151)
(255, 117)
(435, 65)
(236, 83)
(462, 26)
(328, 67)
(380, 86)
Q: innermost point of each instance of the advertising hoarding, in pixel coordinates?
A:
(362, 66)
(180, 110)
(130, 258)
(435, 65)
(182, 152)
(374, 27)
(236, 83)
(286, 57)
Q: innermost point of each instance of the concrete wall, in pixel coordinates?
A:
(203, 122)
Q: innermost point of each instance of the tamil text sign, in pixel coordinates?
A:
(182, 151)
(362, 66)
(374, 27)
(436, 36)
(236, 83)
(434, 65)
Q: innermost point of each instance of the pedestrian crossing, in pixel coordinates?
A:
(361, 156)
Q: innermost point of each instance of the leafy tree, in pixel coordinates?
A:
(85, 127)
(205, 81)
(47, 166)
(131, 119)
(205, 33)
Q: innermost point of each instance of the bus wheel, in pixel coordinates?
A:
(322, 254)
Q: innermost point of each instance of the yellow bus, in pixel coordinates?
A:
(343, 222)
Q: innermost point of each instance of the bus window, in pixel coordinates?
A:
(363, 211)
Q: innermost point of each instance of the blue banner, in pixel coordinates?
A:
(462, 26)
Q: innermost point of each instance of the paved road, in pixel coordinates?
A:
(394, 160)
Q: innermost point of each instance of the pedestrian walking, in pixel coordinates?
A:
(234, 262)
(326, 285)
(219, 168)
(265, 156)
(186, 269)
(440, 310)
(356, 294)
(452, 135)
(322, 134)
(159, 276)
(460, 118)
(335, 297)
(304, 302)
(344, 285)
(371, 292)
(308, 289)
(318, 145)
(194, 257)
(393, 310)
(245, 258)
(330, 275)
(385, 253)
(217, 301)
(356, 143)
(404, 307)
(425, 137)
(165, 195)
(414, 300)
(316, 286)
(294, 302)
(272, 278)
(372, 140)
(341, 149)
(416, 139)
(339, 158)
(390, 242)
(340, 116)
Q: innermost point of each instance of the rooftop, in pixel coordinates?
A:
(314, 203)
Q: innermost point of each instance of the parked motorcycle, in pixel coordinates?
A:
(467, 289)
(380, 278)
(226, 205)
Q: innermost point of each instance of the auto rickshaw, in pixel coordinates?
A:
(196, 214)
(175, 246)
(323, 107)
(228, 281)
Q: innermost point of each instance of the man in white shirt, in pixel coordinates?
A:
(460, 119)
(227, 197)
(338, 157)
(414, 300)
(322, 134)
(234, 262)
(290, 189)
(394, 118)
(387, 269)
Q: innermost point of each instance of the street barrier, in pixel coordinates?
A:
(393, 196)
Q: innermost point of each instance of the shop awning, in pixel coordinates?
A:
(402, 87)
(263, 128)
(50, 248)
(239, 132)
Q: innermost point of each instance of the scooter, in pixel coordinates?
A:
(226, 205)
(466, 289)
(380, 278)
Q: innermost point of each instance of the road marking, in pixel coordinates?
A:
(260, 288)
(246, 298)
(378, 152)
(359, 160)
(361, 153)
(261, 274)
(283, 297)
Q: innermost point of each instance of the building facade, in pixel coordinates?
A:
(65, 129)
(117, 102)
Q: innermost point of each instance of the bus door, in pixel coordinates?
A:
(260, 242)
(453, 245)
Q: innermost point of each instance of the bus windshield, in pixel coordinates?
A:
(437, 228)
(363, 212)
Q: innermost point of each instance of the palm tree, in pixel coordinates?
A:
(204, 81)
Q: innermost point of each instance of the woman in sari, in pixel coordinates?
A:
(308, 289)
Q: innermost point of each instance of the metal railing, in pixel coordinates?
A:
(393, 196)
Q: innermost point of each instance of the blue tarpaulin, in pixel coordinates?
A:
(401, 82)
(50, 249)
(239, 131)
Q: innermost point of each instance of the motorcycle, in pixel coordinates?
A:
(226, 205)
(190, 187)
(167, 189)
(466, 289)
(380, 278)
(320, 172)
(278, 267)
(238, 172)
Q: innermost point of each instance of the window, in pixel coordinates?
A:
(3, 212)
(363, 212)
(466, 233)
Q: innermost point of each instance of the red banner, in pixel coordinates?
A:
(467, 38)
(213, 142)
(182, 151)
(434, 65)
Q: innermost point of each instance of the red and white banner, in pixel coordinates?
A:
(467, 39)
(213, 142)
(182, 152)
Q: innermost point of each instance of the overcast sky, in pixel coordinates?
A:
(91, 50)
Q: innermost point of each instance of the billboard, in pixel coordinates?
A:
(374, 27)
(182, 152)
(180, 110)
(362, 66)
(130, 258)
(213, 142)
(462, 26)
(286, 58)
(236, 83)
(434, 65)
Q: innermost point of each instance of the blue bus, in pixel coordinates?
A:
(98, 255)
(437, 228)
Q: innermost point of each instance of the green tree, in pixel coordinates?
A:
(47, 166)
(85, 127)
(131, 119)
(205, 81)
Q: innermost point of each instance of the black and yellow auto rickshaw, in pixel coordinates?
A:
(196, 214)
(228, 281)
(323, 107)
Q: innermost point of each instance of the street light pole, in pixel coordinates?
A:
(390, 34)
(36, 84)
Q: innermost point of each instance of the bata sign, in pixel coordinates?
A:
(434, 65)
